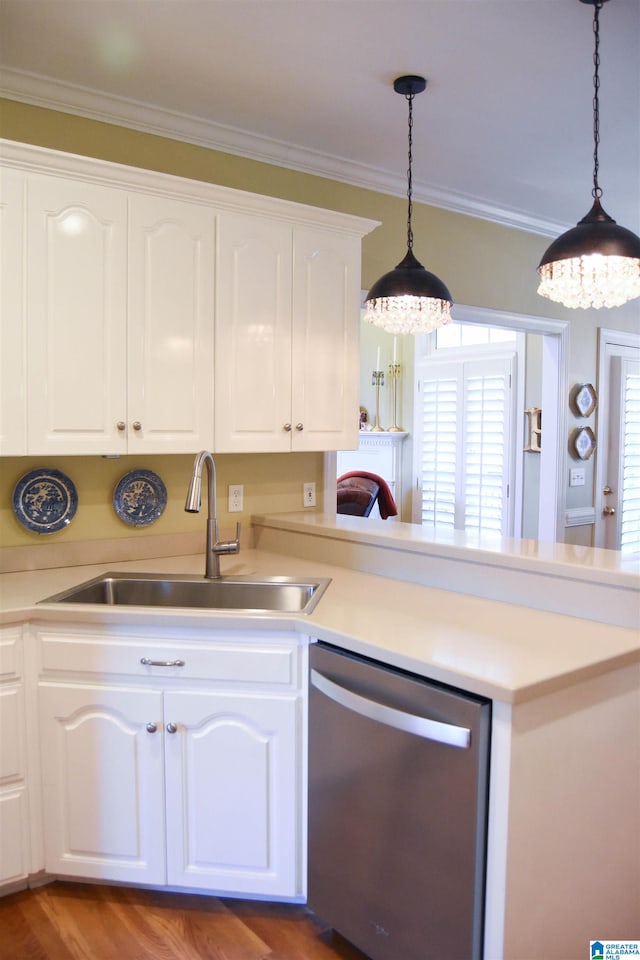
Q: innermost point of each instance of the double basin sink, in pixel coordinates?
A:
(244, 594)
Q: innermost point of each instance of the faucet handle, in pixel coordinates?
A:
(228, 546)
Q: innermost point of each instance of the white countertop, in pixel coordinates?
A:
(501, 650)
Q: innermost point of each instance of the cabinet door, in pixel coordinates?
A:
(13, 420)
(326, 324)
(253, 336)
(233, 817)
(170, 340)
(13, 800)
(76, 300)
(102, 781)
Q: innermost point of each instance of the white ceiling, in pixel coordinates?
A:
(504, 130)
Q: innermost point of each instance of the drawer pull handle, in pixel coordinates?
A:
(172, 728)
(147, 662)
(151, 727)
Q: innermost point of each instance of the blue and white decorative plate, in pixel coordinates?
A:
(45, 501)
(140, 498)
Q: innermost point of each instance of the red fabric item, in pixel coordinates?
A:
(386, 503)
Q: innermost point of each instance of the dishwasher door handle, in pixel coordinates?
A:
(446, 733)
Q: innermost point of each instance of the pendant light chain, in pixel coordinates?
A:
(597, 191)
(410, 97)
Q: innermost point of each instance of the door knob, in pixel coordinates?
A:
(609, 511)
(607, 490)
(172, 728)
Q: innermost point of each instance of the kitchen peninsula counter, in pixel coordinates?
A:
(503, 650)
(553, 642)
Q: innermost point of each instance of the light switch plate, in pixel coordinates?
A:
(309, 494)
(576, 477)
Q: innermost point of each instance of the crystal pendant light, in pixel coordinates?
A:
(409, 299)
(597, 263)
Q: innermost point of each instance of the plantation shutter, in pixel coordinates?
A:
(629, 453)
(465, 443)
(440, 432)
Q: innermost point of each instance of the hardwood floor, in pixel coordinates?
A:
(73, 921)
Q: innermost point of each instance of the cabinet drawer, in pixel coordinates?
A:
(10, 653)
(226, 660)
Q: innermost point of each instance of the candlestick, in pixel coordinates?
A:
(377, 379)
(395, 349)
(394, 377)
(378, 359)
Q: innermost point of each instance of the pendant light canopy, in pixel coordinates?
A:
(596, 263)
(409, 299)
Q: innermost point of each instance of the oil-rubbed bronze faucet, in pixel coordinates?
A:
(214, 547)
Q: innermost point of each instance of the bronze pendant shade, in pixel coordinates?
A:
(596, 263)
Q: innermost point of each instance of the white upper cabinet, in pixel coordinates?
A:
(13, 424)
(287, 322)
(153, 314)
(325, 343)
(77, 316)
(170, 334)
(120, 301)
(253, 336)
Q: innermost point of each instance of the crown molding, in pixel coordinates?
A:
(81, 101)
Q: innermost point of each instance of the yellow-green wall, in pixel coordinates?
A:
(272, 484)
(483, 264)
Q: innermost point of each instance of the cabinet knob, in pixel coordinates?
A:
(151, 727)
(137, 426)
(609, 511)
(287, 427)
(299, 426)
(121, 425)
(172, 728)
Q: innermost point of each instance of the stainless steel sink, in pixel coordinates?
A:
(255, 595)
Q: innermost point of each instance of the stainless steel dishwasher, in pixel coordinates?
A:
(398, 783)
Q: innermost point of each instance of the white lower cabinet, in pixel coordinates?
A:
(182, 774)
(231, 793)
(102, 782)
(14, 816)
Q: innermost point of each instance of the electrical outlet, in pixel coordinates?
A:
(309, 494)
(236, 497)
(576, 477)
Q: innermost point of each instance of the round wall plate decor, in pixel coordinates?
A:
(45, 501)
(140, 498)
